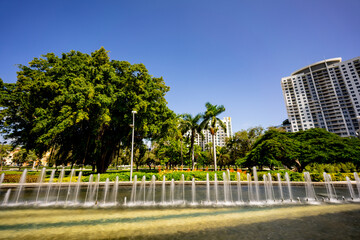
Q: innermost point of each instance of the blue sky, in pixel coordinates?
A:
(232, 53)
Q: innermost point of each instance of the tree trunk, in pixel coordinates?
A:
(181, 152)
(86, 148)
(192, 149)
(100, 166)
(192, 157)
(299, 168)
(213, 138)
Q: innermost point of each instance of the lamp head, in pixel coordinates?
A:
(134, 112)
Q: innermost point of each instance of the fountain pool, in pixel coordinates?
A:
(251, 209)
(142, 193)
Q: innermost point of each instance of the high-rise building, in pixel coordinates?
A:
(220, 135)
(325, 95)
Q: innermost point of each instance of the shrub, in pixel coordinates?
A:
(348, 167)
(15, 178)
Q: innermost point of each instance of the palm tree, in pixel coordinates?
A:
(192, 125)
(211, 122)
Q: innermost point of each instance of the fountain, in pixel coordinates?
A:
(280, 187)
(309, 188)
(40, 180)
(20, 186)
(89, 189)
(142, 192)
(350, 187)
(69, 188)
(207, 188)
(7, 196)
(62, 173)
(172, 193)
(115, 190)
(133, 191)
(77, 188)
(216, 188)
(256, 181)
(193, 191)
(269, 191)
(287, 178)
(357, 180)
(182, 182)
(2, 176)
(239, 192)
(330, 189)
(49, 185)
(172, 190)
(151, 191)
(226, 188)
(250, 190)
(106, 189)
(163, 192)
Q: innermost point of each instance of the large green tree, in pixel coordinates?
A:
(242, 142)
(299, 149)
(273, 149)
(81, 105)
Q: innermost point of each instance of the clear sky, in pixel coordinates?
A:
(232, 53)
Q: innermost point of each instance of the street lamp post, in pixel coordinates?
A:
(132, 145)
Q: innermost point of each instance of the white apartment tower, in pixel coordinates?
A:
(220, 135)
(325, 95)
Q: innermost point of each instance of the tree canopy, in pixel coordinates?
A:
(79, 106)
(299, 149)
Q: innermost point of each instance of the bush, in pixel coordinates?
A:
(15, 178)
(348, 167)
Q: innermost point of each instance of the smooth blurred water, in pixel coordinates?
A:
(161, 193)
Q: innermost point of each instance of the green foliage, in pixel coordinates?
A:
(193, 125)
(79, 107)
(170, 152)
(22, 156)
(297, 150)
(15, 178)
(4, 151)
(348, 167)
(241, 143)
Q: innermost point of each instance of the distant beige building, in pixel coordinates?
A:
(220, 135)
(9, 159)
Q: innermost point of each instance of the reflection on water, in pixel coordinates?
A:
(327, 221)
(173, 194)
